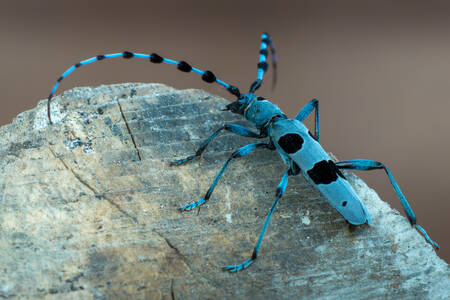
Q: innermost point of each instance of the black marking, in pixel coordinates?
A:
(351, 227)
(350, 166)
(263, 65)
(254, 254)
(264, 52)
(184, 66)
(234, 90)
(209, 193)
(236, 154)
(344, 203)
(291, 142)
(100, 57)
(324, 172)
(340, 173)
(77, 65)
(266, 40)
(127, 54)
(50, 96)
(270, 145)
(209, 77)
(60, 78)
(260, 98)
(311, 135)
(279, 192)
(295, 169)
(255, 85)
(155, 58)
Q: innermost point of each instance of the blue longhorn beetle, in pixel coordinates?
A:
(298, 148)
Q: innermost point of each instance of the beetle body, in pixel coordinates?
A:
(301, 152)
(297, 146)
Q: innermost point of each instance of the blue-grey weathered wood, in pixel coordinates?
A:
(87, 213)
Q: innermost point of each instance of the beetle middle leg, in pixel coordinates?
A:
(234, 128)
(245, 150)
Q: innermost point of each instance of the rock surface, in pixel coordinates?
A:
(88, 209)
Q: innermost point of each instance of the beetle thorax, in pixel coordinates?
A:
(261, 111)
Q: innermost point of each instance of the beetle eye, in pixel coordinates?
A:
(234, 107)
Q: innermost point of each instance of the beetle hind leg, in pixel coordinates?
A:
(280, 191)
(365, 165)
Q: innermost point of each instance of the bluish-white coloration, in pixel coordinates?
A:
(299, 149)
(338, 192)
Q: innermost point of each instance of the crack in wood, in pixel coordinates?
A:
(172, 293)
(177, 252)
(129, 130)
(170, 244)
(96, 194)
(183, 259)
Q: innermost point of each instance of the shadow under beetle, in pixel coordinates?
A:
(299, 149)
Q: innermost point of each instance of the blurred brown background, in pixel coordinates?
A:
(379, 68)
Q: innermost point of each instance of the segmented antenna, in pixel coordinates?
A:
(183, 66)
(266, 43)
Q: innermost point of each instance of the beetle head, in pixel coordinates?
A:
(239, 106)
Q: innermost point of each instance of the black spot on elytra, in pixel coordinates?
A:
(324, 172)
(344, 203)
(291, 142)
